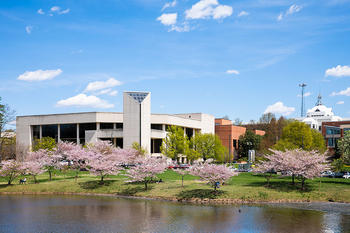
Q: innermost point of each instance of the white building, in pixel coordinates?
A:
(135, 124)
(318, 114)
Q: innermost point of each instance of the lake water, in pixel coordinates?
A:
(102, 214)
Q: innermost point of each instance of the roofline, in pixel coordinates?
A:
(73, 113)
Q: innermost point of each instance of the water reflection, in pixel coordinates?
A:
(89, 214)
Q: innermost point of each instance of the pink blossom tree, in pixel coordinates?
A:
(33, 168)
(296, 163)
(182, 173)
(212, 173)
(10, 170)
(267, 168)
(146, 169)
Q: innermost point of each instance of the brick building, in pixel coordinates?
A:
(333, 130)
(229, 134)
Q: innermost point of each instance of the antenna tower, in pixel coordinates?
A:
(303, 85)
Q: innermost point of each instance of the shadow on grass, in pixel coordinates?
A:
(94, 184)
(282, 185)
(200, 193)
(131, 191)
(335, 182)
(4, 185)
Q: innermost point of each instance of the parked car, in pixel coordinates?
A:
(327, 174)
(346, 175)
(338, 175)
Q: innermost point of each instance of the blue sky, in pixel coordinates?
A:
(238, 58)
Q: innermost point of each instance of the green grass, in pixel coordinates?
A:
(245, 187)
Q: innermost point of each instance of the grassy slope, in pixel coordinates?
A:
(245, 187)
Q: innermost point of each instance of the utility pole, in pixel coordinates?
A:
(303, 85)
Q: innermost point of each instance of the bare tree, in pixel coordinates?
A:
(6, 116)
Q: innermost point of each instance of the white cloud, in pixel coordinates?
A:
(280, 17)
(222, 11)
(29, 29)
(83, 100)
(55, 8)
(108, 91)
(345, 92)
(41, 12)
(169, 4)
(305, 94)
(340, 102)
(279, 108)
(243, 13)
(208, 8)
(99, 85)
(66, 11)
(232, 72)
(39, 75)
(291, 10)
(184, 28)
(338, 71)
(168, 19)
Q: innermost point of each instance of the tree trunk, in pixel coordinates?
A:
(182, 181)
(101, 179)
(293, 182)
(9, 182)
(50, 175)
(146, 185)
(35, 181)
(302, 183)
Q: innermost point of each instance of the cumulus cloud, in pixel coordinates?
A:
(291, 10)
(169, 4)
(168, 19)
(39, 75)
(41, 12)
(108, 91)
(232, 72)
(99, 85)
(208, 8)
(184, 28)
(279, 108)
(338, 71)
(83, 100)
(345, 92)
(305, 94)
(243, 13)
(55, 8)
(29, 29)
(340, 102)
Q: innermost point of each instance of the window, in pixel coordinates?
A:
(119, 143)
(234, 143)
(331, 142)
(155, 145)
(106, 125)
(119, 125)
(50, 131)
(68, 132)
(82, 128)
(36, 131)
(189, 132)
(332, 130)
(157, 126)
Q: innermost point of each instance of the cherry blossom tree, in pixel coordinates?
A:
(212, 173)
(146, 170)
(267, 169)
(182, 173)
(33, 168)
(10, 170)
(296, 163)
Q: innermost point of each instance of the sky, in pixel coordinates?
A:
(235, 58)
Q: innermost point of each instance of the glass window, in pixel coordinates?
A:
(36, 131)
(332, 130)
(50, 131)
(119, 125)
(189, 132)
(119, 143)
(157, 126)
(155, 145)
(68, 132)
(106, 125)
(331, 142)
(82, 128)
(234, 143)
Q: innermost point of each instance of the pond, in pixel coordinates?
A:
(105, 214)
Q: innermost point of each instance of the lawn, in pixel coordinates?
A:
(246, 187)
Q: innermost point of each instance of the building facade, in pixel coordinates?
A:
(135, 124)
(318, 114)
(229, 135)
(334, 130)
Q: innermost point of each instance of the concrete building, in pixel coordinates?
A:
(229, 134)
(318, 114)
(134, 124)
(334, 130)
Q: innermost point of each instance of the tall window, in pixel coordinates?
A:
(68, 132)
(36, 132)
(50, 131)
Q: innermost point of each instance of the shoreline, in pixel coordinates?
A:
(204, 201)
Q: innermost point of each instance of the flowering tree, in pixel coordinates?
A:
(212, 173)
(266, 168)
(182, 172)
(296, 163)
(146, 169)
(33, 168)
(10, 170)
